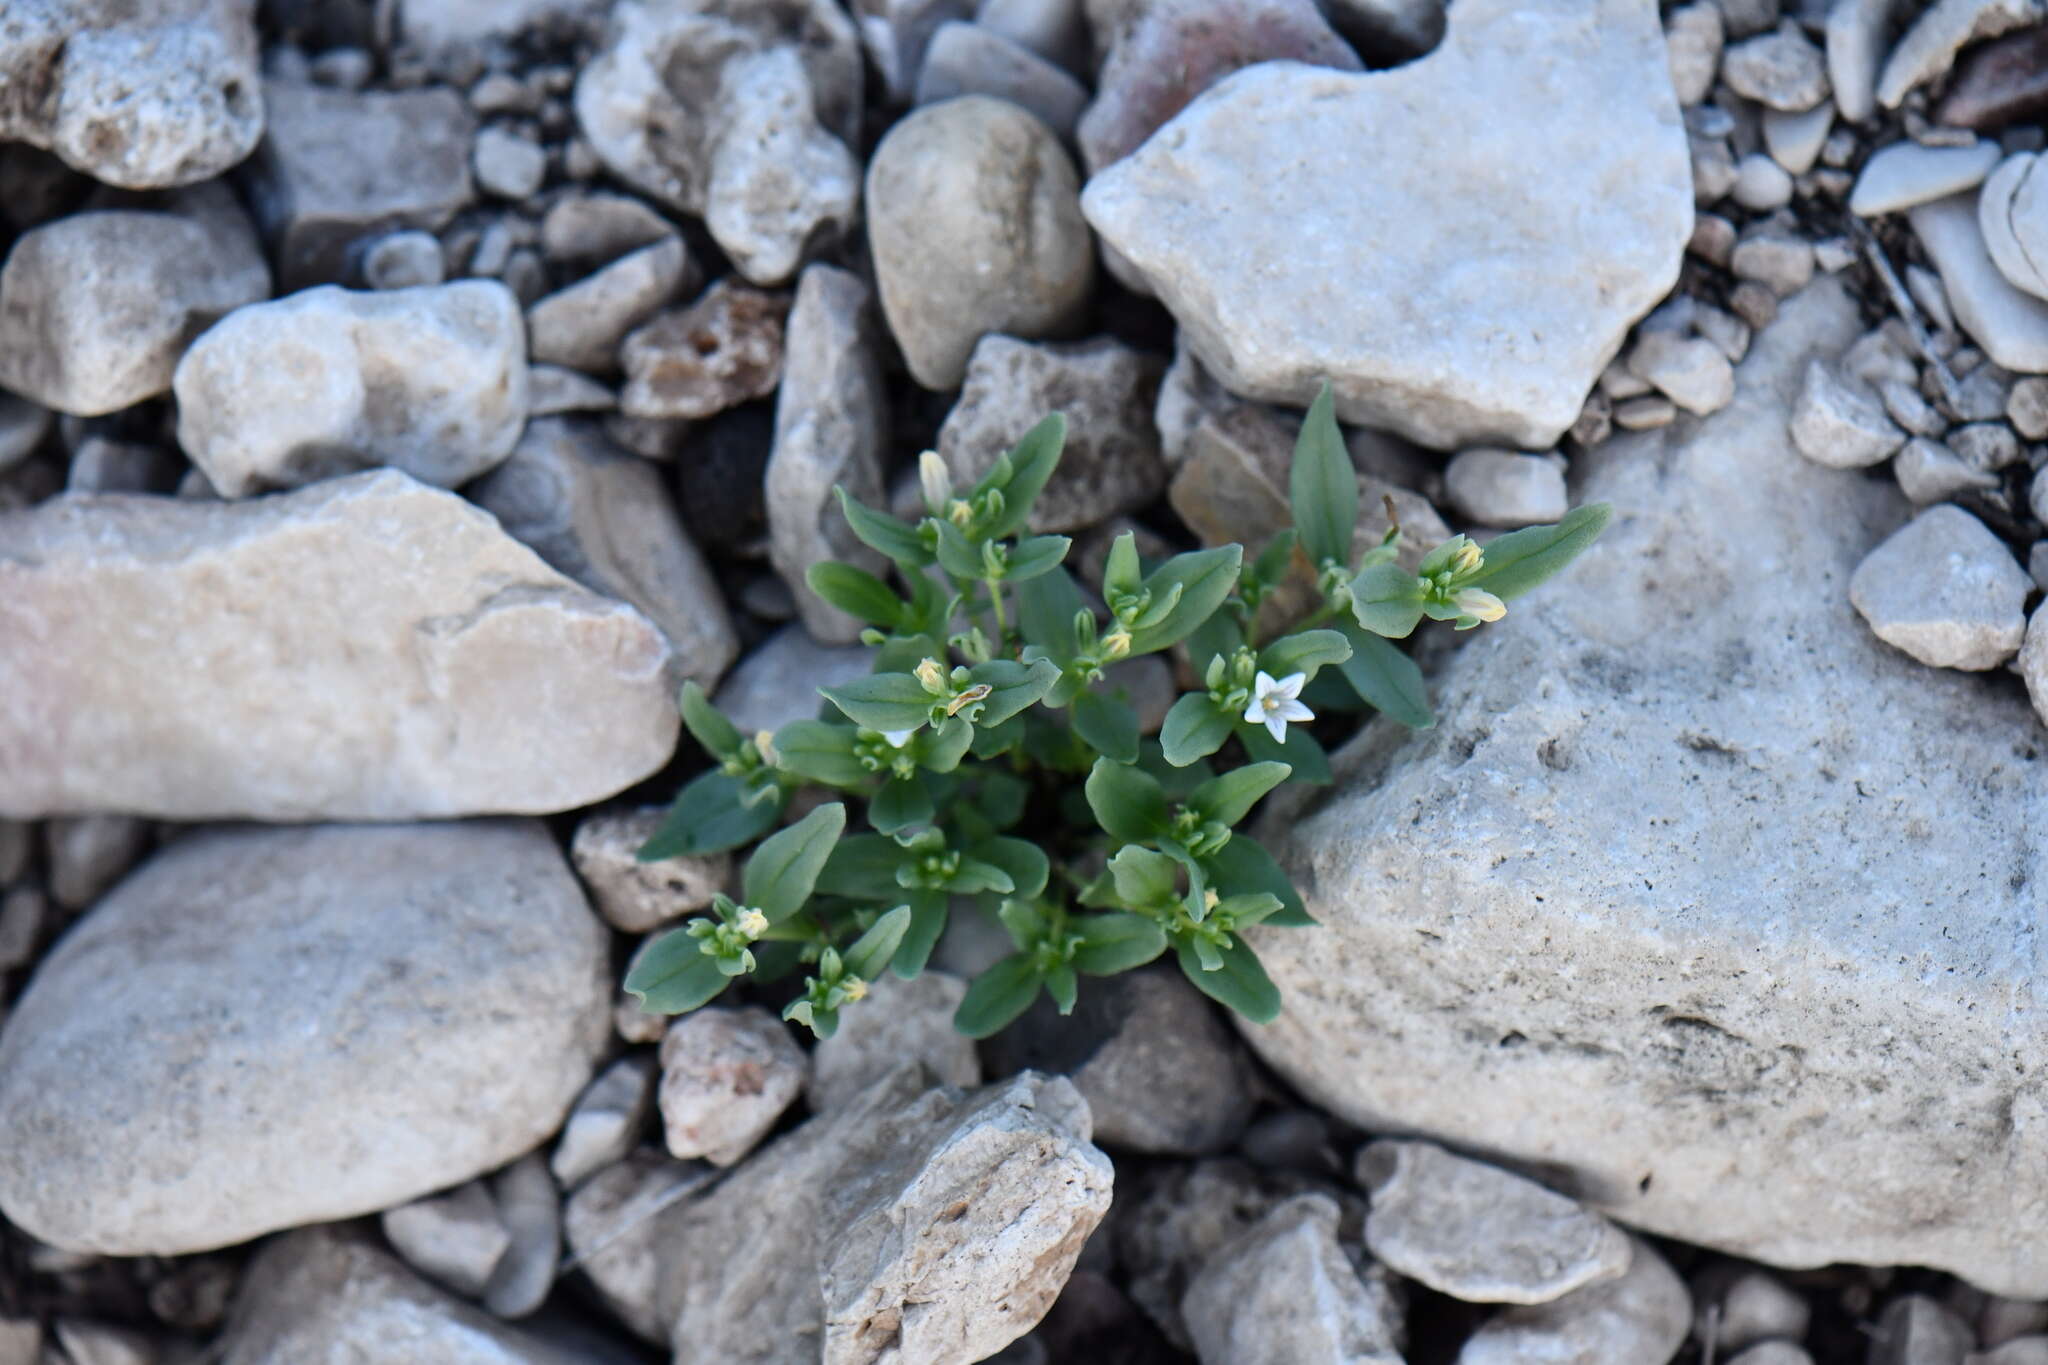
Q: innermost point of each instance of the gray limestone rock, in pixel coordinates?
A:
(367, 648)
(2011, 325)
(1641, 1318)
(1111, 462)
(1838, 424)
(903, 1021)
(967, 59)
(96, 308)
(1944, 28)
(975, 222)
(327, 1294)
(245, 1053)
(1479, 1233)
(582, 325)
(779, 681)
(1456, 290)
(1506, 488)
(605, 518)
(339, 167)
(1286, 1292)
(605, 1126)
(143, 94)
(328, 381)
(454, 1239)
(1779, 70)
(1758, 1015)
(633, 896)
(831, 431)
(1946, 591)
(726, 1076)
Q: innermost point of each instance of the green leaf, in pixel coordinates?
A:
(1304, 652)
(821, 752)
(881, 532)
(1228, 797)
(1385, 677)
(1300, 752)
(1142, 876)
(928, 914)
(1036, 556)
(1061, 985)
(998, 996)
(863, 866)
(1115, 943)
(1205, 578)
(1273, 562)
(1025, 921)
(674, 974)
(1012, 687)
(941, 750)
(710, 815)
(883, 701)
(1519, 560)
(1243, 867)
(1195, 728)
(1387, 600)
(958, 555)
(977, 874)
(900, 805)
(1128, 802)
(1120, 569)
(992, 740)
(1107, 724)
(1241, 982)
(1025, 862)
(719, 736)
(1032, 461)
(856, 592)
(1219, 635)
(1045, 613)
(784, 869)
(1323, 487)
(869, 956)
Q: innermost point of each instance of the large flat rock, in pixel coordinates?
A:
(1459, 245)
(1700, 901)
(367, 648)
(265, 1028)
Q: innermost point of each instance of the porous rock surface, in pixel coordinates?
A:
(365, 649)
(1802, 1041)
(233, 1011)
(1459, 278)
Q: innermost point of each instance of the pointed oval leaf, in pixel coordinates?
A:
(1387, 600)
(901, 804)
(1032, 461)
(1012, 686)
(1228, 797)
(1300, 752)
(674, 974)
(710, 815)
(1143, 876)
(1115, 943)
(1195, 728)
(1036, 556)
(1243, 867)
(883, 701)
(1128, 802)
(863, 866)
(1304, 652)
(1110, 726)
(856, 592)
(928, 914)
(1239, 981)
(1025, 862)
(1205, 578)
(883, 533)
(821, 752)
(1322, 486)
(1120, 569)
(784, 869)
(1519, 560)
(998, 996)
(707, 724)
(869, 956)
(1045, 613)
(1386, 679)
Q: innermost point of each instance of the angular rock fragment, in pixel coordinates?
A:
(697, 361)
(1924, 54)
(633, 896)
(1644, 1315)
(1499, 275)
(907, 1021)
(1111, 462)
(329, 381)
(1286, 1291)
(96, 308)
(606, 1123)
(1479, 1233)
(1779, 70)
(1839, 425)
(726, 1077)
(967, 59)
(279, 1087)
(604, 518)
(143, 94)
(367, 649)
(1946, 591)
(340, 166)
(581, 326)
(454, 1239)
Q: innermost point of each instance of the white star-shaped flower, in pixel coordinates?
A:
(1276, 703)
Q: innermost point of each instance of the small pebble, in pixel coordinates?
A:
(1841, 426)
(1834, 254)
(1754, 303)
(1761, 183)
(344, 68)
(1690, 371)
(1924, 286)
(1641, 414)
(403, 260)
(1780, 70)
(507, 165)
(500, 92)
(1779, 260)
(1713, 239)
(1795, 140)
(1916, 1330)
(1502, 488)
(726, 1077)
(1730, 334)
(720, 351)
(1595, 421)
(1713, 169)
(1618, 381)
(1692, 39)
(1905, 174)
(1929, 472)
(1986, 445)
(1906, 407)
(1946, 591)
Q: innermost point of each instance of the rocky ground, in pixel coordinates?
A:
(398, 401)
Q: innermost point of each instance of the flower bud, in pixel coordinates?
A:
(935, 481)
(752, 923)
(933, 677)
(1479, 603)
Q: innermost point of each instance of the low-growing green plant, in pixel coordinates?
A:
(998, 763)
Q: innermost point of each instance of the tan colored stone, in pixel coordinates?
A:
(367, 648)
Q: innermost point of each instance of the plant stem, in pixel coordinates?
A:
(995, 596)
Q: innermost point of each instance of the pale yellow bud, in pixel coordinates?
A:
(936, 482)
(1480, 603)
(1209, 899)
(933, 676)
(752, 923)
(1116, 644)
(855, 988)
(1467, 560)
(764, 740)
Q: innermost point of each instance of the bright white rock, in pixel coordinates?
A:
(2011, 326)
(1755, 1017)
(1302, 222)
(1905, 173)
(2012, 211)
(1946, 591)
